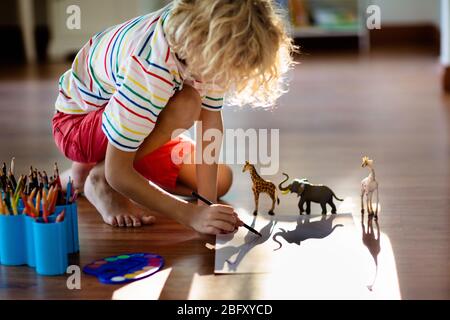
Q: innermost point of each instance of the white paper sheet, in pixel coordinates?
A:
(292, 242)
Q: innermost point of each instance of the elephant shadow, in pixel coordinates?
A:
(307, 229)
(371, 239)
(250, 242)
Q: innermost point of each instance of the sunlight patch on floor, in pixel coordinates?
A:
(356, 265)
(146, 289)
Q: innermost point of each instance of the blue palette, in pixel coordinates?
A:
(125, 268)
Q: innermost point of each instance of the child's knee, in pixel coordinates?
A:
(225, 180)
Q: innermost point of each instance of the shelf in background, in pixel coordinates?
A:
(316, 32)
(309, 19)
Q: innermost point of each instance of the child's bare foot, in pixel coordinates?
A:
(115, 209)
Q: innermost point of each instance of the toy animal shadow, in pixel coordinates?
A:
(372, 242)
(250, 241)
(307, 230)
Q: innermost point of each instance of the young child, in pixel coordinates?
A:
(131, 86)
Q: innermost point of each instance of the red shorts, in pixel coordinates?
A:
(81, 139)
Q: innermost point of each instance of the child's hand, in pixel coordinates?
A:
(215, 219)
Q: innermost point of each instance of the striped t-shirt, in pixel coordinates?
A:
(131, 71)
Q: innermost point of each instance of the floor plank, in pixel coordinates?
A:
(339, 107)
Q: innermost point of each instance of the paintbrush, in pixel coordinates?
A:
(206, 201)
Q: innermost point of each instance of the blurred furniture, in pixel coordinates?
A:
(327, 19)
(26, 21)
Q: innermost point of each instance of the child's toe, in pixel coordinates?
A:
(148, 219)
(110, 220)
(136, 221)
(120, 221)
(128, 221)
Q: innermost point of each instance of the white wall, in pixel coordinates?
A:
(445, 32)
(404, 12)
(98, 14)
(146, 6)
(95, 17)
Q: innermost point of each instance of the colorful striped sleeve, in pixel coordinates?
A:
(132, 111)
(213, 98)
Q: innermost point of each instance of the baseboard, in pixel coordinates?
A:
(446, 79)
(406, 35)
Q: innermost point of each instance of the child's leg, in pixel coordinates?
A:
(187, 178)
(78, 173)
(169, 120)
(80, 138)
(113, 207)
(180, 180)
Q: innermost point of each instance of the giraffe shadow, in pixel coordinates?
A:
(306, 229)
(250, 242)
(371, 239)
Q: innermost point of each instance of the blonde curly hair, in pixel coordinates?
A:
(240, 45)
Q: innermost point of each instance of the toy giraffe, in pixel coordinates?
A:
(261, 186)
(368, 186)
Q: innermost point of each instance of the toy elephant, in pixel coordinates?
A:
(310, 193)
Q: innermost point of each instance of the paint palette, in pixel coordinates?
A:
(125, 268)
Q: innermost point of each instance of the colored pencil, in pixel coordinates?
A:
(57, 179)
(11, 174)
(45, 177)
(13, 207)
(12, 165)
(39, 192)
(75, 196)
(18, 188)
(38, 202)
(61, 216)
(2, 207)
(26, 208)
(68, 191)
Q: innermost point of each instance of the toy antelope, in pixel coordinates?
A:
(368, 186)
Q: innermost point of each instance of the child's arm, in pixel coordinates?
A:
(207, 172)
(121, 176)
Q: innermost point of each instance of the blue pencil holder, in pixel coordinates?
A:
(12, 240)
(71, 221)
(74, 219)
(50, 240)
(29, 239)
(67, 224)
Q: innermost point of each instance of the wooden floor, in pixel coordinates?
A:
(340, 107)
